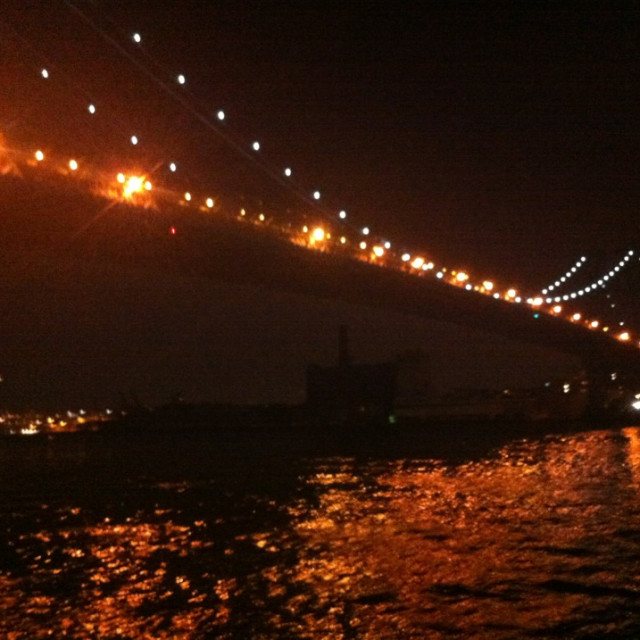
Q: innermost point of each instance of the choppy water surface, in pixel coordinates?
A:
(124, 538)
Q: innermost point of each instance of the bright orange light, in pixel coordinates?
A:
(512, 293)
(187, 196)
(132, 184)
(488, 285)
(318, 234)
(461, 276)
(73, 165)
(120, 178)
(39, 155)
(147, 185)
(624, 336)
(378, 252)
(417, 263)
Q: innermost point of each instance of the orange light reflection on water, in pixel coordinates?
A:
(535, 538)
(517, 543)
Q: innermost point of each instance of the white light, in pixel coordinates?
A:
(363, 245)
(181, 79)
(468, 287)
(220, 115)
(187, 196)
(91, 108)
(256, 146)
(134, 140)
(342, 215)
(440, 275)
(287, 172)
(209, 202)
(365, 231)
(137, 38)
(44, 73)
(406, 257)
(173, 166)
(387, 245)
(316, 195)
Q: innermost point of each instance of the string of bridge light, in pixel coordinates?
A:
(378, 249)
(599, 283)
(282, 176)
(417, 264)
(256, 146)
(568, 275)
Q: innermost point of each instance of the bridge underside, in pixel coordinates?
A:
(66, 236)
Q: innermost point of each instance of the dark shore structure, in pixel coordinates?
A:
(347, 393)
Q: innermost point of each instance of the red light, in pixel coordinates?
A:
(172, 231)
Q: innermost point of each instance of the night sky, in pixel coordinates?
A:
(505, 142)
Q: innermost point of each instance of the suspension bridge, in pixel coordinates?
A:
(296, 240)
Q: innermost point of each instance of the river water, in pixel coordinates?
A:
(142, 536)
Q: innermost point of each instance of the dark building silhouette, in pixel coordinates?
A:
(350, 394)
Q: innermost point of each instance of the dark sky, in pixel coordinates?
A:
(505, 142)
(506, 138)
